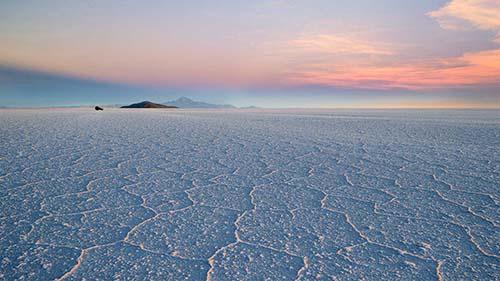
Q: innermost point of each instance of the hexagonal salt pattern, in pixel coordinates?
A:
(249, 195)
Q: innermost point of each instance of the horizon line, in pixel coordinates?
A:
(269, 108)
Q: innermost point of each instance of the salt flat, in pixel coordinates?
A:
(249, 195)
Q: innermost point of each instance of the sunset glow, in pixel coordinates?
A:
(257, 47)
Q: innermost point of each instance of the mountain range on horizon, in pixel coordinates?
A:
(184, 102)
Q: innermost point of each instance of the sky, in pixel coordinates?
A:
(273, 53)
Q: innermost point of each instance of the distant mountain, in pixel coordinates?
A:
(148, 104)
(250, 107)
(184, 102)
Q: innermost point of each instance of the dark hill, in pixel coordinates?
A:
(148, 104)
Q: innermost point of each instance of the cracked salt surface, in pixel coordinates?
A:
(249, 195)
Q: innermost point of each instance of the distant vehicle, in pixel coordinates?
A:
(98, 108)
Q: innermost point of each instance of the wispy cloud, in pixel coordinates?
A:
(338, 44)
(461, 14)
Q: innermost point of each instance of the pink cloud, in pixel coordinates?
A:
(469, 69)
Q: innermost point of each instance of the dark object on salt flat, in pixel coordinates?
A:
(98, 108)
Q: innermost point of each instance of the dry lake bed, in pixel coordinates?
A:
(249, 194)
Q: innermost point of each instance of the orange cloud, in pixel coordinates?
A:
(470, 69)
